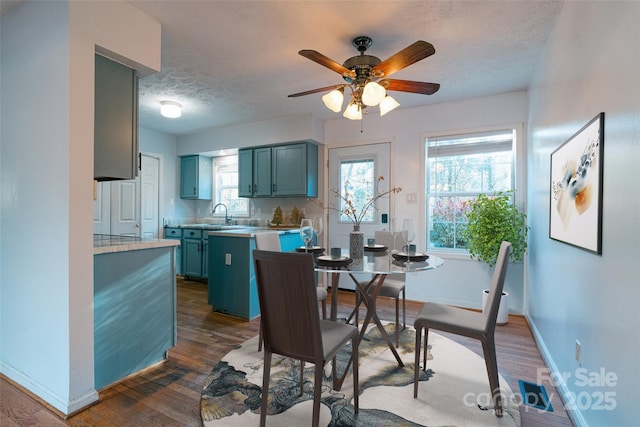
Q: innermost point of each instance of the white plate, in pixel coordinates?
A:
(374, 246)
(418, 254)
(311, 248)
(330, 258)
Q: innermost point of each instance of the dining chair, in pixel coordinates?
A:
(270, 241)
(393, 286)
(291, 325)
(472, 324)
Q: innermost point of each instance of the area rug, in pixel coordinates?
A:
(454, 391)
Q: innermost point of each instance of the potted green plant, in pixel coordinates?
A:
(493, 219)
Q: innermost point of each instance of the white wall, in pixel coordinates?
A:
(461, 280)
(591, 64)
(46, 268)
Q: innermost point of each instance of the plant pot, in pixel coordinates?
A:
(503, 310)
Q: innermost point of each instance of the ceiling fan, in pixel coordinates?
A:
(366, 77)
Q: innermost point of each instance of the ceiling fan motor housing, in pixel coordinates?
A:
(361, 65)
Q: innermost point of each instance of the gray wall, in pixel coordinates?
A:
(591, 64)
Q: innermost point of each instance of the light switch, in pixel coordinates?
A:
(227, 259)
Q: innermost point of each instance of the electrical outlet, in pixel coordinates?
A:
(227, 259)
(578, 353)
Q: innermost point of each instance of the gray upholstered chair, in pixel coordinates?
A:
(291, 325)
(270, 241)
(480, 326)
(394, 284)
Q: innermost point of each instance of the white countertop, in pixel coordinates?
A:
(248, 232)
(103, 243)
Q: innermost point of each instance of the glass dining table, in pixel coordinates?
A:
(378, 264)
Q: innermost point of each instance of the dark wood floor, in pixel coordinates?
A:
(169, 394)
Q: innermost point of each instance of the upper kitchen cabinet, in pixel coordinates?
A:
(254, 172)
(278, 171)
(195, 177)
(294, 170)
(116, 121)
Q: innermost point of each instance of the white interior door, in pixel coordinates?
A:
(149, 186)
(125, 208)
(102, 209)
(132, 207)
(375, 156)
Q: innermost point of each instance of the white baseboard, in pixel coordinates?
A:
(559, 380)
(65, 406)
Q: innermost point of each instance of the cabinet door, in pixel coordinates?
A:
(262, 172)
(192, 253)
(245, 173)
(295, 170)
(205, 257)
(115, 121)
(188, 177)
(195, 177)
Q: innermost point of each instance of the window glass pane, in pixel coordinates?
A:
(459, 168)
(225, 186)
(448, 216)
(357, 180)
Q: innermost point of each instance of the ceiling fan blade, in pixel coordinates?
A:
(407, 56)
(327, 62)
(423, 88)
(322, 89)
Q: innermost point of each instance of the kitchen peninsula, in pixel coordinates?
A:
(232, 279)
(134, 305)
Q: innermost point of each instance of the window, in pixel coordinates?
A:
(358, 184)
(458, 168)
(225, 186)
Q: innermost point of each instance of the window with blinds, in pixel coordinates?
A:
(225, 186)
(458, 168)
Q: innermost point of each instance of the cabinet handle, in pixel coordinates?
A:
(249, 188)
(273, 188)
(194, 191)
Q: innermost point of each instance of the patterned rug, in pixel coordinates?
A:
(453, 392)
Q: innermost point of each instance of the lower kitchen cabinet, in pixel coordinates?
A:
(195, 253)
(175, 233)
(233, 289)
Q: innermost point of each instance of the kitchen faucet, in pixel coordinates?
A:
(227, 219)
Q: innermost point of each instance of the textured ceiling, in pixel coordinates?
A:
(230, 62)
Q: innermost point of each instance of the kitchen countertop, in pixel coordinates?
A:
(105, 243)
(249, 231)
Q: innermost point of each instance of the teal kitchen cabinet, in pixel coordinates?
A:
(232, 289)
(115, 121)
(295, 170)
(289, 170)
(176, 234)
(254, 172)
(196, 175)
(245, 172)
(194, 252)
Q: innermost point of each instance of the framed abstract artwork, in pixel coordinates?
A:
(575, 214)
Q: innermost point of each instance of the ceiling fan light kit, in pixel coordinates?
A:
(363, 74)
(353, 112)
(333, 100)
(388, 104)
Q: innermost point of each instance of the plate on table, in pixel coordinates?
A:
(375, 248)
(403, 256)
(329, 261)
(312, 249)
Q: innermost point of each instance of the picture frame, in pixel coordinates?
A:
(575, 211)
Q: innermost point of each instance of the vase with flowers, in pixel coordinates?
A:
(354, 206)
